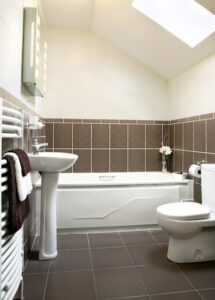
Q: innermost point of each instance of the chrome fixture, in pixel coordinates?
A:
(36, 146)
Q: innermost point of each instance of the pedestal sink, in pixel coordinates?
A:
(50, 164)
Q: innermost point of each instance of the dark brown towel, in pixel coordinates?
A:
(24, 160)
(18, 210)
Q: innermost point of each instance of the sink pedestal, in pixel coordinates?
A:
(48, 222)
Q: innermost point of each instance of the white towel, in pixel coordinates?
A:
(24, 184)
(35, 177)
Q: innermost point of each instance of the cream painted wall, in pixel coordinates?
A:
(11, 29)
(88, 77)
(193, 92)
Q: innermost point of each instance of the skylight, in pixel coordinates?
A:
(186, 19)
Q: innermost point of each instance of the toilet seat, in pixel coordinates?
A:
(183, 211)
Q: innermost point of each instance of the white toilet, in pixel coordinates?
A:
(190, 225)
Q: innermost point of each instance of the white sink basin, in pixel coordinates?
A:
(50, 164)
(52, 161)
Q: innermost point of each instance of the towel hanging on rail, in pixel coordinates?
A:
(24, 185)
(18, 210)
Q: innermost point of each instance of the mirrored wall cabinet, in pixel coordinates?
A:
(34, 52)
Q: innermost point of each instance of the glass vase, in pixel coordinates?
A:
(164, 163)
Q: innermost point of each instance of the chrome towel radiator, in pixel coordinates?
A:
(11, 246)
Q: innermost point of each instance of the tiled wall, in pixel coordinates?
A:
(8, 144)
(192, 139)
(109, 145)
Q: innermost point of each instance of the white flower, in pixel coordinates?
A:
(166, 150)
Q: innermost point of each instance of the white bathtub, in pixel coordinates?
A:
(107, 200)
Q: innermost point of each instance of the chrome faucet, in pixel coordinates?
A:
(36, 146)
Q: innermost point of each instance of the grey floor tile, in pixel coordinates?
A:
(147, 254)
(202, 275)
(178, 296)
(105, 240)
(163, 278)
(71, 260)
(72, 241)
(76, 285)
(116, 283)
(34, 265)
(34, 286)
(110, 257)
(136, 238)
(208, 294)
(160, 236)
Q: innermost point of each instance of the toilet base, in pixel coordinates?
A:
(199, 248)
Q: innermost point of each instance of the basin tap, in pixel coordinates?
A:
(36, 146)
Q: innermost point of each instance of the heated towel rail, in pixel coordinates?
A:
(12, 123)
(11, 246)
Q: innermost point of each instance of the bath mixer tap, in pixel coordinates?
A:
(36, 146)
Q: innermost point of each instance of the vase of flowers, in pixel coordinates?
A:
(166, 152)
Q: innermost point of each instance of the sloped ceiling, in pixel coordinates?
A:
(120, 23)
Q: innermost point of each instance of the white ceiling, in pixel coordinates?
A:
(120, 23)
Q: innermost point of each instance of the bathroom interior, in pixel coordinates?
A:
(107, 144)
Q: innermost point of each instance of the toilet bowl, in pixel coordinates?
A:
(190, 225)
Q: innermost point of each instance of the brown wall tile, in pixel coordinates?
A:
(91, 121)
(100, 136)
(73, 121)
(206, 116)
(62, 135)
(171, 136)
(153, 160)
(194, 118)
(178, 136)
(210, 158)
(188, 136)
(211, 136)
(153, 136)
(83, 164)
(136, 136)
(199, 136)
(178, 161)
(128, 121)
(49, 133)
(136, 160)
(110, 121)
(100, 160)
(81, 136)
(118, 136)
(118, 160)
(197, 193)
(166, 135)
(187, 160)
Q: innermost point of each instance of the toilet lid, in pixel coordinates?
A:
(183, 211)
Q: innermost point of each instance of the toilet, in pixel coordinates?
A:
(190, 225)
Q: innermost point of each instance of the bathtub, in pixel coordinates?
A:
(108, 200)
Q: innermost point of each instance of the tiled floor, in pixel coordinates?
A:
(119, 265)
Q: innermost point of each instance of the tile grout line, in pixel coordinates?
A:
(145, 148)
(46, 283)
(182, 148)
(53, 136)
(91, 144)
(72, 146)
(128, 148)
(109, 145)
(91, 261)
(143, 284)
(188, 280)
(181, 272)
